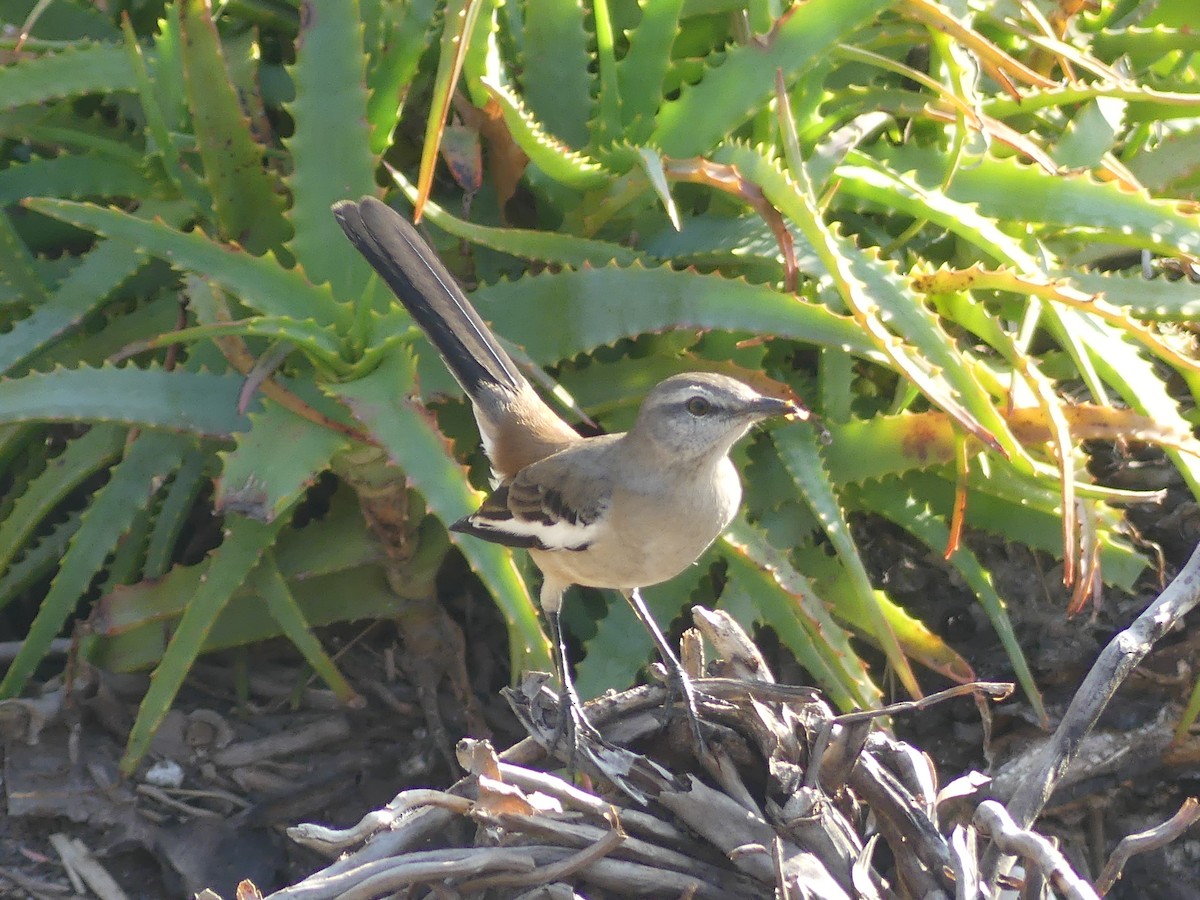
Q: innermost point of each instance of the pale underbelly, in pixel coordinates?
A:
(654, 561)
(637, 552)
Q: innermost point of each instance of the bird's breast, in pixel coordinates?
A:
(654, 530)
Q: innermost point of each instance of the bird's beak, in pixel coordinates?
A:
(769, 407)
(793, 411)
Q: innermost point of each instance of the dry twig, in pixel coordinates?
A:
(1188, 815)
(1123, 653)
(789, 800)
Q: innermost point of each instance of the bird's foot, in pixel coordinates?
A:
(684, 692)
(573, 727)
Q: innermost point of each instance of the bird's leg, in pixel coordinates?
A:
(572, 721)
(680, 683)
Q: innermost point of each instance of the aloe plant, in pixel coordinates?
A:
(911, 249)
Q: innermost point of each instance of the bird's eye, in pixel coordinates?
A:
(698, 406)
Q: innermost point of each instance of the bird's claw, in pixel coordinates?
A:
(681, 688)
(574, 727)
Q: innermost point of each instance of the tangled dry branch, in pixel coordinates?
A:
(786, 799)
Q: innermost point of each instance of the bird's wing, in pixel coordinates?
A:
(556, 504)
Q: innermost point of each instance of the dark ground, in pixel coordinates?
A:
(238, 793)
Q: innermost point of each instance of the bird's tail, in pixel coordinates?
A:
(413, 271)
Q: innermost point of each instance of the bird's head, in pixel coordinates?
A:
(701, 414)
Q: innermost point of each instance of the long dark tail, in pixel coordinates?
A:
(412, 270)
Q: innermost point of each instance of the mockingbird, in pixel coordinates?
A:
(621, 511)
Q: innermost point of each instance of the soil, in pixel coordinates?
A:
(236, 795)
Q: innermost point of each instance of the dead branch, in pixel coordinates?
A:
(1132, 845)
(1118, 659)
(993, 820)
(787, 799)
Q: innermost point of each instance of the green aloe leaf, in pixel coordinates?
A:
(1170, 165)
(62, 23)
(163, 96)
(872, 288)
(559, 162)
(248, 206)
(38, 559)
(642, 71)
(330, 147)
(1144, 43)
(606, 122)
(72, 72)
(32, 504)
(600, 306)
(1145, 103)
(171, 519)
(334, 546)
(556, 73)
(931, 529)
(314, 340)
(258, 282)
(202, 403)
(1132, 375)
(86, 287)
(20, 281)
(836, 587)
(764, 587)
(1093, 131)
(74, 175)
(1008, 190)
(553, 247)
(230, 564)
(894, 192)
(133, 483)
(267, 581)
(1159, 299)
(1006, 503)
(707, 113)
(381, 401)
(397, 35)
(104, 269)
(459, 29)
(798, 449)
(358, 593)
(260, 482)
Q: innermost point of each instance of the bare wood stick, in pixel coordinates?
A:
(569, 795)
(80, 862)
(10, 649)
(993, 820)
(1143, 841)
(393, 872)
(398, 873)
(34, 887)
(558, 832)
(402, 835)
(1123, 653)
(555, 872)
(996, 690)
(333, 840)
(317, 734)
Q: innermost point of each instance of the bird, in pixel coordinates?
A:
(617, 511)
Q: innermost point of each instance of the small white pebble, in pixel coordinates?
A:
(166, 773)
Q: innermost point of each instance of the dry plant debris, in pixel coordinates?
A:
(785, 799)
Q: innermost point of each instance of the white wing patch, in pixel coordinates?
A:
(557, 535)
